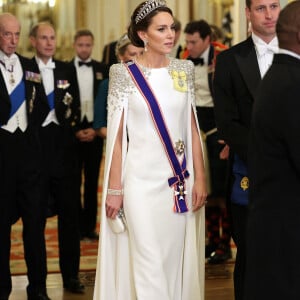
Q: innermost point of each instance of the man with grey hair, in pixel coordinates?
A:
(20, 95)
(273, 241)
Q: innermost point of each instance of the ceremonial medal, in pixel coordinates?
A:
(179, 147)
(31, 76)
(12, 80)
(62, 84)
(245, 183)
(179, 80)
(68, 113)
(9, 69)
(180, 191)
(67, 99)
(31, 101)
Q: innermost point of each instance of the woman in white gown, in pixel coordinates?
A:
(161, 254)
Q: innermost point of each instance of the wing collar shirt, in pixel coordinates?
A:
(265, 52)
(12, 74)
(48, 83)
(86, 89)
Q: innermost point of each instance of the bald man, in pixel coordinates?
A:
(273, 240)
(20, 95)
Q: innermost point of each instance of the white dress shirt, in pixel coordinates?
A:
(265, 53)
(86, 89)
(12, 69)
(48, 83)
(202, 91)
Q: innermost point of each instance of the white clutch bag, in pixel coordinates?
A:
(118, 224)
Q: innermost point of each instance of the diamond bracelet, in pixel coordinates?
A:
(114, 192)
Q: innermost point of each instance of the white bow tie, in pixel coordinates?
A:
(263, 49)
(9, 63)
(48, 66)
(10, 60)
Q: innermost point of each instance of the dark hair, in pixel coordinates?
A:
(83, 32)
(288, 21)
(35, 28)
(248, 3)
(201, 26)
(143, 24)
(216, 33)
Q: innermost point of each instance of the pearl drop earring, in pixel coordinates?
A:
(145, 45)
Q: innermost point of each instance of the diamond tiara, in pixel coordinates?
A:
(147, 8)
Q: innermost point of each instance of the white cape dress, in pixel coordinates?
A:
(161, 255)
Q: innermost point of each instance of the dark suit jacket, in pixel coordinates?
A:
(274, 170)
(34, 96)
(100, 72)
(236, 81)
(211, 57)
(66, 101)
(33, 90)
(63, 162)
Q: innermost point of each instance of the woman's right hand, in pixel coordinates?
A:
(113, 204)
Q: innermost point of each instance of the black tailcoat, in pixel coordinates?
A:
(60, 163)
(273, 241)
(90, 154)
(20, 173)
(236, 80)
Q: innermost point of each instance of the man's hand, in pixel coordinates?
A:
(224, 154)
(86, 135)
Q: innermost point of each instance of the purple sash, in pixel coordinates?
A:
(179, 170)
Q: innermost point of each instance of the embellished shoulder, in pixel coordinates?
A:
(120, 85)
(182, 65)
(118, 79)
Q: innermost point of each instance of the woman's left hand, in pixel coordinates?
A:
(199, 195)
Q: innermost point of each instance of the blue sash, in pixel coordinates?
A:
(179, 170)
(17, 97)
(50, 98)
(239, 193)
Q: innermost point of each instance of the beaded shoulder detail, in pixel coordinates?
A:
(121, 84)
